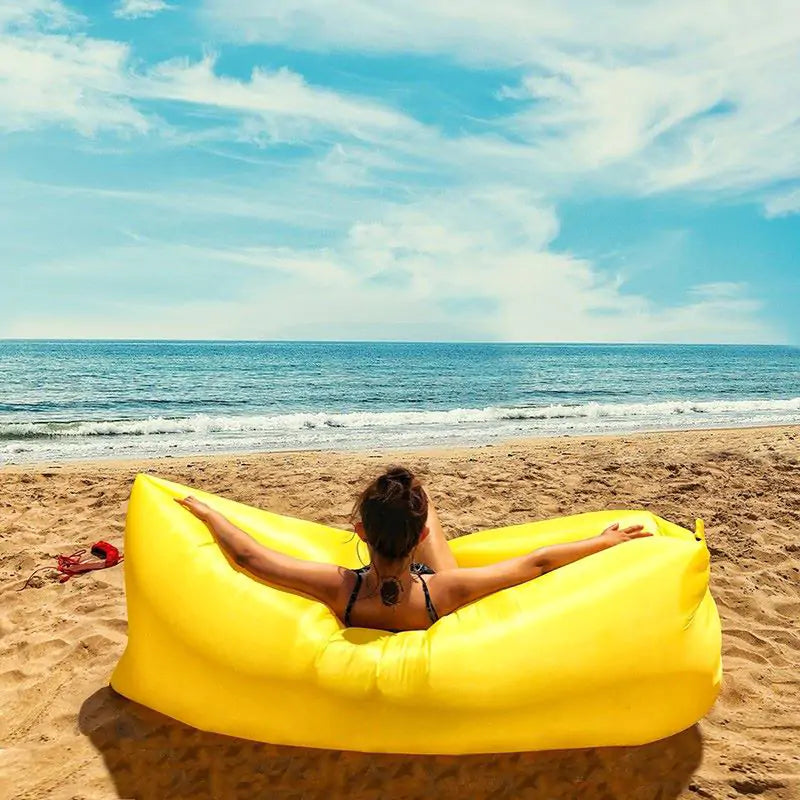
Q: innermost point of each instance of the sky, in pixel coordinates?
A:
(520, 170)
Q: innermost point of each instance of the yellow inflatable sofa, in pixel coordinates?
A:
(620, 648)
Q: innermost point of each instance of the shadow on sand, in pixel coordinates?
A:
(151, 756)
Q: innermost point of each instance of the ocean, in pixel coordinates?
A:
(64, 400)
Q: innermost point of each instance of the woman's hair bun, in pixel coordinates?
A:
(396, 482)
(393, 510)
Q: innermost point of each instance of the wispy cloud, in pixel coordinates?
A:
(281, 100)
(133, 9)
(675, 100)
(783, 203)
(21, 15)
(653, 96)
(48, 75)
(332, 212)
(470, 267)
(51, 73)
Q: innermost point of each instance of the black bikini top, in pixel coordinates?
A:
(416, 569)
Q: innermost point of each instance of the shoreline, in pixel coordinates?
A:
(411, 450)
(60, 642)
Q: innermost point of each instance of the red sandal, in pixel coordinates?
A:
(107, 555)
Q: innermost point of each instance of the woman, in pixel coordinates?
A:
(412, 578)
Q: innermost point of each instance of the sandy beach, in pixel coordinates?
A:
(65, 734)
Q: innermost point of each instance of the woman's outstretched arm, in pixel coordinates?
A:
(459, 587)
(316, 579)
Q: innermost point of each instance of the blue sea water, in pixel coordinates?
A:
(90, 399)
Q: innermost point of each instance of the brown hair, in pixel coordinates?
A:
(393, 510)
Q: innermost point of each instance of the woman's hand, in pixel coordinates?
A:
(198, 508)
(613, 534)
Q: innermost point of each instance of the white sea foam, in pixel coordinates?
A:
(664, 412)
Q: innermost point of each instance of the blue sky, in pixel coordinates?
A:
(518, 170)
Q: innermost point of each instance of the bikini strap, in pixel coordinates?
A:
(432, 613)
(353, 595)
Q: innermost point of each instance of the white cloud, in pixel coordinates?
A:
(649, 96)
(207, 203)
(491, 248)
(507, 32)
(472, 266)
(641, 98)
(474, 31)
(460, 244)
(781, 204)
(281, 100)
(133, 9)
(721, 291)
(315, 268)
(700, 116)
(52, 74)
(25, 14)
(55, 78)
(727, 316)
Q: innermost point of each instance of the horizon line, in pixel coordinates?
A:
(539, 343)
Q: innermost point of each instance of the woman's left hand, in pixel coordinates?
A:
(197, 507)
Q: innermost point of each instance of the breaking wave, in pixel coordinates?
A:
(663, 412)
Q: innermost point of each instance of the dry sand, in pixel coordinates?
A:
(64, 734)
